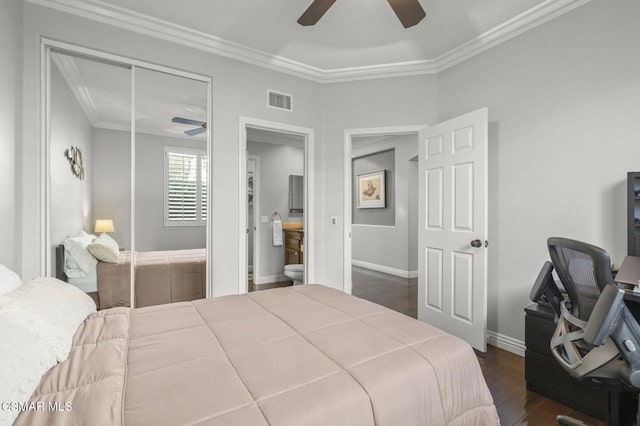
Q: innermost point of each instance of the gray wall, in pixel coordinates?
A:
(354, 105)
(277, 162)
(239, 90)
(10, 131)
(150, 231)
(71, 198)
(369, 163)
(563, 98)
(564, 112)
(112, 182)
(113, 190)
(564, 119)
(388, 246)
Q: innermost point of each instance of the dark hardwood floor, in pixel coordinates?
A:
(503, 371)
(256, 287)
(399, 294)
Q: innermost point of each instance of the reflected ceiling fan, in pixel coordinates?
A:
(201, 125)
(409, 12)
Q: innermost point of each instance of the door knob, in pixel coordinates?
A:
(476, 243)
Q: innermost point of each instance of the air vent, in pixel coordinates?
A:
(279, 100)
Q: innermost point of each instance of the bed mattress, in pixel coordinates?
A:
(303, 355)
(160, 277)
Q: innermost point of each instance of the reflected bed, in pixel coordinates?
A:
(160, 277)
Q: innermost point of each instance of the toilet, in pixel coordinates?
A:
(295, 272)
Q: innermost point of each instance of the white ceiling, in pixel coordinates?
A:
(104, 93)
(353, 33)
(355, 39)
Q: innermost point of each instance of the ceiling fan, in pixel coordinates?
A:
(202, 126)
(409, 12)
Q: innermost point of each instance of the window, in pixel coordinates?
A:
(185, 184)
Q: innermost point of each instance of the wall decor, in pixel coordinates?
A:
(371, 190)
(74, 155)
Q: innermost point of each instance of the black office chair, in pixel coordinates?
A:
(584, 271)
(597, 339)
(605, 352)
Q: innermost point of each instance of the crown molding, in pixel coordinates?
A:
(528, 20)
(70, 73)
(275, 138)
(364, 141)
(134, 21)
(115, 126)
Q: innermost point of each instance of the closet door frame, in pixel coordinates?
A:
(47, 46)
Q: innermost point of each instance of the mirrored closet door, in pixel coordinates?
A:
(90, 172)
(171, 187)
(127, 178)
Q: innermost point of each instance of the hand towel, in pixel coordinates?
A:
(277, 232)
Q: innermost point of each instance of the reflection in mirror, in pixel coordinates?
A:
(170, 188)
(89, 170)
(296, 194)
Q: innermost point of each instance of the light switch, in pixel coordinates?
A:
(334, 220)
(264, 219)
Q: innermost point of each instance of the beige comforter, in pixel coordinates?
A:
(304, 355)
(161, 277)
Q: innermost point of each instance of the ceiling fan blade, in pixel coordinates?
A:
(409, 12)
(314, 12)
(194, 132)
(187, 121)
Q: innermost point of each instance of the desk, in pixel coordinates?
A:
(544, 375)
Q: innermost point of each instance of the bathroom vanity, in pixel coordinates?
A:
(293, 246)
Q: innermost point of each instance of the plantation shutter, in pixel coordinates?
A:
(186, 193)
(182, 197)
(203, 182)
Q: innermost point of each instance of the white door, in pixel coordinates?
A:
(452, 268)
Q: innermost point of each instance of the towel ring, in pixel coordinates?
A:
(276, 216)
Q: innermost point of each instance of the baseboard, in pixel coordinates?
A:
(385, 269)
(505, 342)
(267, 279)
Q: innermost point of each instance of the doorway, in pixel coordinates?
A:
(253, 205)
(275, 157)
(376, 147)
(452, 222)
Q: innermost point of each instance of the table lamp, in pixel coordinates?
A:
(104, 225)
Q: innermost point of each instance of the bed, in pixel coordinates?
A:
(160, 277)
(303, 355)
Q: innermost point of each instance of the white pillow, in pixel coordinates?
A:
(76, 273)
(25, 359)
(77, 247)
(9, 280)
(105, 249)
(69, 261)
(71, 268)
(49, 308)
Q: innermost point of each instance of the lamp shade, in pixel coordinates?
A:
(104, 225)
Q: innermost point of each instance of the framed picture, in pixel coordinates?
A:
(371, 190)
